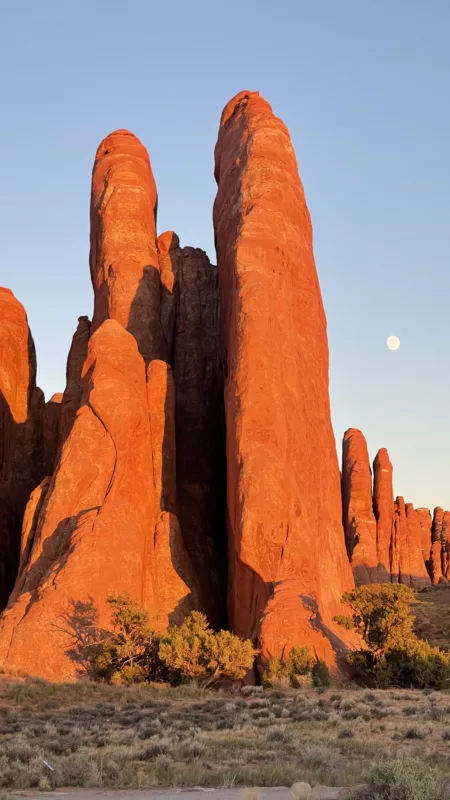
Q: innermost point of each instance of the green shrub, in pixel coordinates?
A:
(192, 650)
(298, 663)
(395, 656)
(408, 779)
(321, 674)
(126, 653)
(418, 666)
(276, 671)
(380, 614)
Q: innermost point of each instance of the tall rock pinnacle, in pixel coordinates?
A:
(383, 504)
(283, 484)
(123, 257)
(74, 384)
(418, 570)
(21, 432)
(360, 526)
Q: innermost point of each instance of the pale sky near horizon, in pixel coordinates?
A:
(363, 88)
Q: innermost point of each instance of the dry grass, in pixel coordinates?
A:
(104, 736)
(432, 617)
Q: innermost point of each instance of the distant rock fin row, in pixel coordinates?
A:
(388, 540)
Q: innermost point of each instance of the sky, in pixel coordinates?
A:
(363, 88)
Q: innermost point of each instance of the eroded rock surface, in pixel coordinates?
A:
(21, 443)
(189, 316)
(383, 505)
(358, 518)
(418, 571)
(74, 383)
(438, 519)
(445, 540)
(171, 590)
(123, 257)
(51, 429)
(95, 525)
(425, 522)
(283, 484)
(435, 563)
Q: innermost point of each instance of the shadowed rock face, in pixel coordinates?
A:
(123, 257)
(358, 517)
(445, 540)
(435, 563)
(438, 519)
(425, 522)
(383, 505)
(189, 314)
(51, 426)
(283, 487)
(171, 590)
(21, 443)
(74, 384)
(418, 571)
(95, 526)
(408, 565)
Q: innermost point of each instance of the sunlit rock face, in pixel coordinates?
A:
(283, 487)
(360, 526)
(190, 461)
(21, 433)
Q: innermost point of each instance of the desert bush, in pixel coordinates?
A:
(408, 779)
(395, 656)
(417, 665)
(193, 650)
(380, 613)
(126, 653)
(320, 674)
(292, 669)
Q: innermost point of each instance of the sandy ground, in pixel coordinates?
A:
(276, 793)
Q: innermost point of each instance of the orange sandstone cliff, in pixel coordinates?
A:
(190, 461)
(283, 488)
(357, 507)
(21, 433)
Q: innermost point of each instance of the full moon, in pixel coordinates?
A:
(393, 342)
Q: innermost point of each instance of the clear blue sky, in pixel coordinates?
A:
(364, 89)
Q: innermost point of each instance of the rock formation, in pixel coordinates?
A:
(191, 457)
(95, 527)
(383, 505)
(283, 490)
(418, 571)
(358, 517)
(399, 550)
(51, 426)
(21, 412)
(435, 563)
(438, 518)
(171, 591)
(425, 522)
(445, 541)
(74, 384)
(29, 524)
(189, 315)
(407, 563)
(123, 257)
